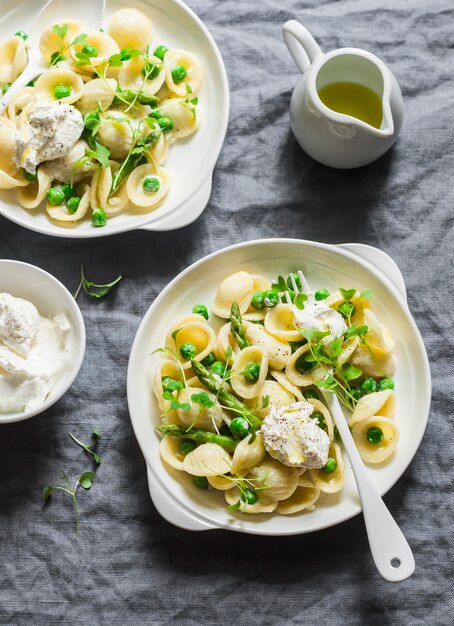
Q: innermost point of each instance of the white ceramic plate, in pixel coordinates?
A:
(50, 298)
(324, 266)
(191, 161)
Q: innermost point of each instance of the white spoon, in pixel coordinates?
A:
(89, 12)
(390, 550)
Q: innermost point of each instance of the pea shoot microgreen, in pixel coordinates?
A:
(61, 30)
(94, 290)
(300, 300)
(248, 488)
(89, 447)
(85, 481)
(347, 294)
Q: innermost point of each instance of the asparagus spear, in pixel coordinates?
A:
(227, 398)
(133, 159)
(198, 435)
(134, 96)
(236, 324)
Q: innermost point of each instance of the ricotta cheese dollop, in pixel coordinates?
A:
(33, 352)
(319, 315)
(293, 438)
(51, 131)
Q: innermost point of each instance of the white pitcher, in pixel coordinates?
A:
(333, 138)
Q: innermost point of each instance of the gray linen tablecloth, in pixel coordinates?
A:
(129, 566)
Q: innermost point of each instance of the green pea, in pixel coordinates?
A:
(5, 88)
(56, 57)
(73, 204)
(251, 372)
(369, 385)
(150, 70)
(160, 52)
(302, 365)
(21, 33)
(297, 280)
(179, 73)
(239, 427)
(337, 436)
(156, 114)
(31, 177)
(330, 466)
(200, 309)
(386, 383)
(374, 435)
(218, 368)
(186, 446)
(225, 430)
(310, 393)
(151, 184)
(209, 360)
(61, 91)
(92, 120)
(90, 51)
(166, 124)
(69, 191)
(98, 217)
(56, 196)
(258, 300)
(201, 482)
(321, 294)
(320, 418)
(188, 350)
(271, 298)
(357, 393)
(346, 309)
(249, 496)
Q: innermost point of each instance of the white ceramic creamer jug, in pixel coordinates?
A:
(330, 137)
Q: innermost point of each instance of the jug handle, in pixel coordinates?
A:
(301, 45)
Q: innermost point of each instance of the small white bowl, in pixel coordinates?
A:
(50, 298)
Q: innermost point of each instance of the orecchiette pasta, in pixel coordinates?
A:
(121, 117)
(243, 388)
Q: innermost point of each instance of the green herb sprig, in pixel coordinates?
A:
(94, 290)
(85, 481)
(89, 447)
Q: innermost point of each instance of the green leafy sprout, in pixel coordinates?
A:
(89, 447)
(85, 481)
(94, 290)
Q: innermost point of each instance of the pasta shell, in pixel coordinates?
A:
(237, 287)
(378, 338)
(302, 499)
(194, 72)
(361, 304)
(208, 459)
(321, 408)
(375, 453)
(22, 99)
(289, 386)
(225, 340)
(135, 185)
(46, 83)
(372, 365)
(334, 482)
(105, 45)
(198, 333)
(260, 284)
(280, 481)
(50, 42)
(247, 454)
(100, 190)
(278, 351)
(170, 452)
(166, 367)
(210, 418)
(378, 403)
(277, 395)
(220, 482)
(30, 197)
(97, 92)
(10, 176)
(243, 387)
(116, 133)
(13, 59)
(68, 169)
(131, 76)
(348, 347)
(279, 322)
(264, 504)
(62, 214)
(307, 378)
(130, 28)
(159, 152)
(183, 115)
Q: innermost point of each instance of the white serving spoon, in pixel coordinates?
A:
(390, 550)
(90, 13)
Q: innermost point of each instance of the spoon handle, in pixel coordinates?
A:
(390, 550)
(27, 75)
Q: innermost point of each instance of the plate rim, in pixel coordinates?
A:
(208, 165)
(356, 508)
